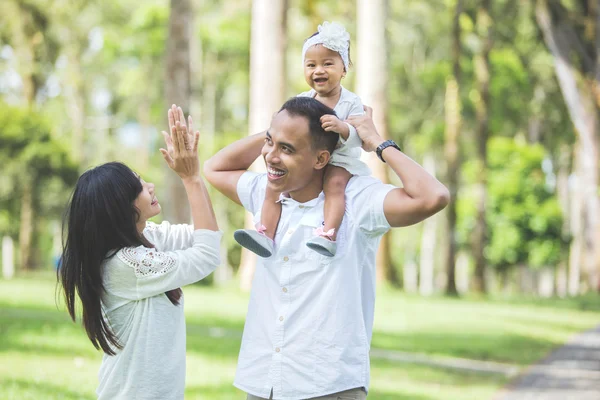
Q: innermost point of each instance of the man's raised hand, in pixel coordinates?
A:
(366, 129)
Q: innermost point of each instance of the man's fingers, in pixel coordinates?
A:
(185, 138)
(368, 111)
(181, 116)
(171, 117)
(196, 140)
(176, 139)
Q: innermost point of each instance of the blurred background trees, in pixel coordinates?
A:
(498, 99)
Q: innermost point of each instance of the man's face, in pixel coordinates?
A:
(289, 156)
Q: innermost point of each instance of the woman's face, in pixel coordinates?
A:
(147, 202)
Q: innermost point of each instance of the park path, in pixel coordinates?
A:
(571, 372)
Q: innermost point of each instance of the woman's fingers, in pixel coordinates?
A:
(167, 158)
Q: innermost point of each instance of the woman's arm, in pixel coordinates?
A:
(181, 156)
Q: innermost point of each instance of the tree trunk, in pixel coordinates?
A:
(178, 91)
(145, 123)
(428, 242)
(564, 193)
(26, 227)
(451, 149)
(8, 258)
(267, 88)
(74, 82)
(482, 105)
(371, 84)
(582, 97)
(27, 64)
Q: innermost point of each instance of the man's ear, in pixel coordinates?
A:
(323, 157)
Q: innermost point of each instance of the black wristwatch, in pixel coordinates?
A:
(385, 145)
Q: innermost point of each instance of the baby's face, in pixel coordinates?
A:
(323, 69)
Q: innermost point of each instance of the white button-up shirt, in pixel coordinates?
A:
(310, 317)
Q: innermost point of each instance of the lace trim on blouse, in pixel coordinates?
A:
(151, 227)
(146, 262)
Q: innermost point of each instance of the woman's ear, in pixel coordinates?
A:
(323, 157)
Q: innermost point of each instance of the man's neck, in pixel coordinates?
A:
(309, 192)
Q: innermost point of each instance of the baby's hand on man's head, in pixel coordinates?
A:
(331, 123)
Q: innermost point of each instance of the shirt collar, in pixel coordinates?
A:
(284, 198)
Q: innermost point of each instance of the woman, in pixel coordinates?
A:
(128, 272)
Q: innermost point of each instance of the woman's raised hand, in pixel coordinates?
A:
(181, 153)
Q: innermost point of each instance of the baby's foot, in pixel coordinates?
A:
(255, 240)
(323, 243)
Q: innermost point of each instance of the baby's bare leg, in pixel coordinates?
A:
(334, 186)
(271, 212)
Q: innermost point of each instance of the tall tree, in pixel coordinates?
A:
(573, 37)
(371, 86)
(267, 87)
(178, 91)
(451, 148)
(35, 50)
(482, 105)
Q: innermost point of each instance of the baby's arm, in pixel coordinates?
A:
(353, 140)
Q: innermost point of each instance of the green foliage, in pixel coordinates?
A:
(30, 155)
(523, 215)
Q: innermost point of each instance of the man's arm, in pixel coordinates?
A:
(224, 169)
(422, 194)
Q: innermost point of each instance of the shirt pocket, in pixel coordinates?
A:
(308, 224)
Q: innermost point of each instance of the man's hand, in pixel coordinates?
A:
(174, 115)
(331, 123)
(366, 129)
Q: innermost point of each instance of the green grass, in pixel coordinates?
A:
(45, 356)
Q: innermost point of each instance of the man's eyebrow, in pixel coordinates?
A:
(291, 146)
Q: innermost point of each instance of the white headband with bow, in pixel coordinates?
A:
(333, 36)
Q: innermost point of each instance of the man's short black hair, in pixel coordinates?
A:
(313, 110)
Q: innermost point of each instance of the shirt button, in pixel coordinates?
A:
(300, 206)
(281, 318)
(290, 231)
(277, 349)
(286, 258)
(284, 290)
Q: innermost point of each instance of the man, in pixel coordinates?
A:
(310, 318)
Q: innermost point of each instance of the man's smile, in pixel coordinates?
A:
(275, 173)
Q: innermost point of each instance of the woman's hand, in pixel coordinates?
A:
(181, 154)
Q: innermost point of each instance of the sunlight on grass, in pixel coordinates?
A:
(46, 356)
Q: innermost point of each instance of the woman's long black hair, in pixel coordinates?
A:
(100, 220)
